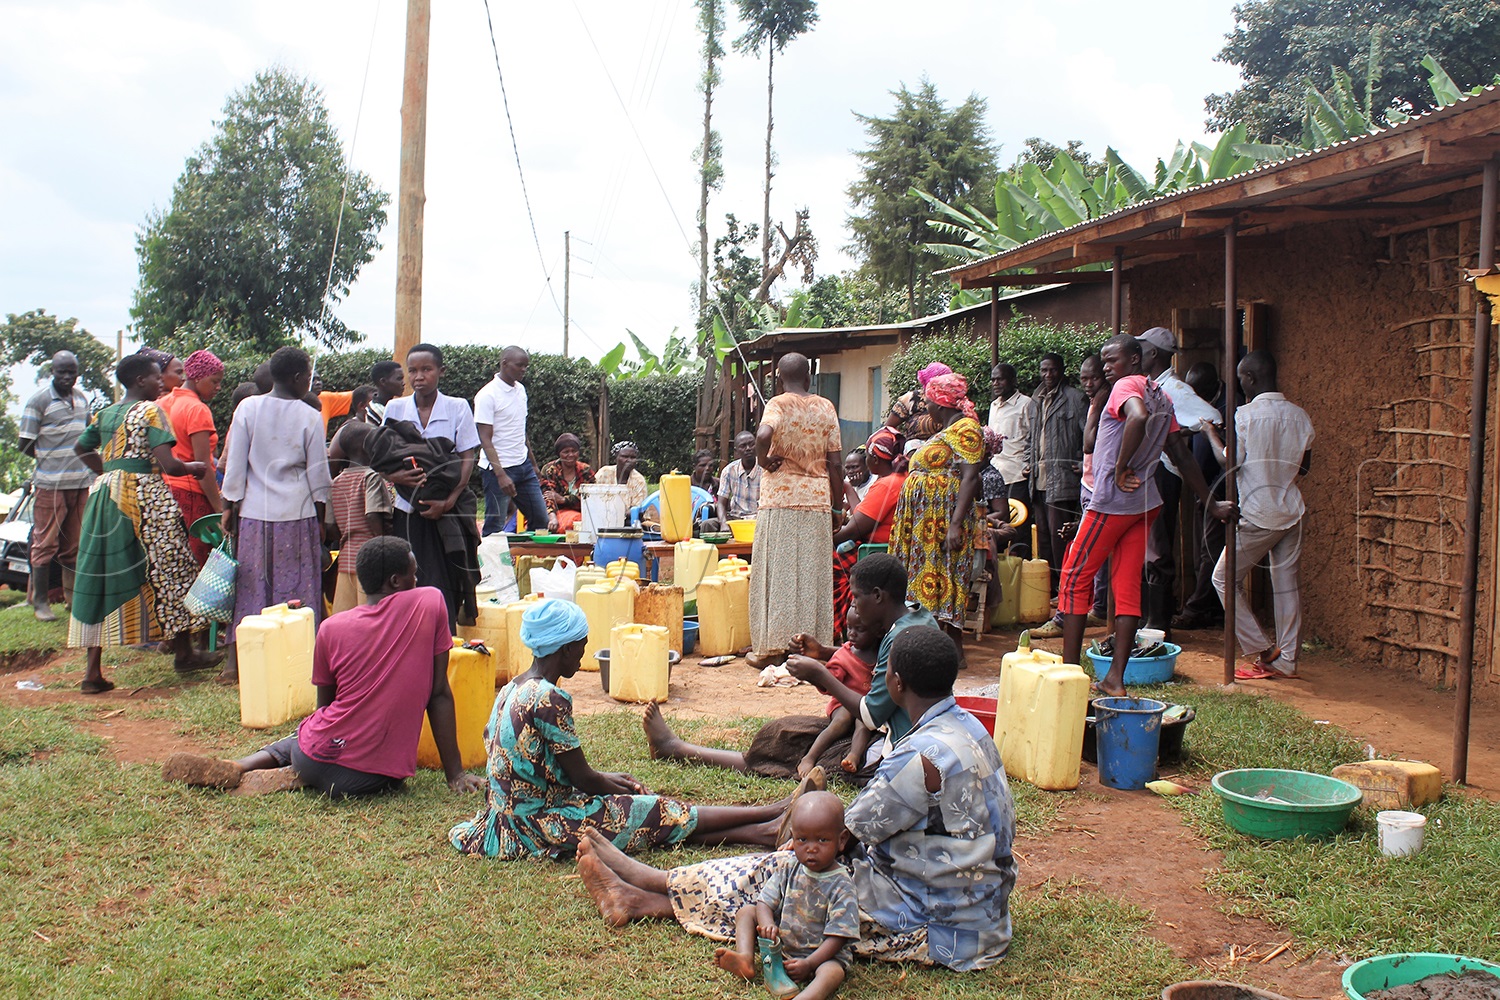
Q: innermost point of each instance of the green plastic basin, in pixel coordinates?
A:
(1273, 804)
(1385, 971)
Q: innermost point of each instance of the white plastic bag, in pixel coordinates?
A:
(555, 582)
(496, 570)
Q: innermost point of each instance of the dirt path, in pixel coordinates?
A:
(1133, 847)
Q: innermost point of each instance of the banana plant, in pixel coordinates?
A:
(677, 358)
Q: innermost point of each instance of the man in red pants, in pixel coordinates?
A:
(1136, 425)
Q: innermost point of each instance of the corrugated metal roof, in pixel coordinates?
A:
(910, 324)
(1464, 104)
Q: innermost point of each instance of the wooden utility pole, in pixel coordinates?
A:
(567, 281)
(412, 197)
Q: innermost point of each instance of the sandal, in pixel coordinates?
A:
(1254, 672)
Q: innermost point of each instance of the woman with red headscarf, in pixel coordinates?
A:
(871, 520)
(938, 525)
(909, 413)
(186, 406)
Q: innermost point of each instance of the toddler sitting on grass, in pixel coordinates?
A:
(807, 915)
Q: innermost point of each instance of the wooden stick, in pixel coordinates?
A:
(1409, 577)
(1430, 432)
(1415, 609)
(1414, 647)
(1277, 951)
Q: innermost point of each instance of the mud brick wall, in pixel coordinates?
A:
(1372, 336)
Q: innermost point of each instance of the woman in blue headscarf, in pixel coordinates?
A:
(543, 792)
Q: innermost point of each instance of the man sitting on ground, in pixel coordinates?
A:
(371, 696)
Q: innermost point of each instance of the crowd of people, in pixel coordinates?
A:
(862, 572)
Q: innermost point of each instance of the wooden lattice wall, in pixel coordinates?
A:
(1411, 490)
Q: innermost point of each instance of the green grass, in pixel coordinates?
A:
(1340, 894)
(9, 597)
(114, 884)
(20, 632)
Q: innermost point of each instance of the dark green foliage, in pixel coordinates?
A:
(925, 145)
(243, 250)
(1279, 45)
(33, 337)
(656, 412)
(1023, 341)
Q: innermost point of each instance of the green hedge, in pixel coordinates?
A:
(1023, 341)
(657, 412)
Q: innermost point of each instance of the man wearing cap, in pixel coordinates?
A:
(1159, 596)
(51, 424)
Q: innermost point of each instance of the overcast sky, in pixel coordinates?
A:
(101, 102)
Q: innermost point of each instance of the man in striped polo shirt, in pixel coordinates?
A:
(51, 424)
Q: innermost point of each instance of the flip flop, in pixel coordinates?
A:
(1254, 672)
(716, 661)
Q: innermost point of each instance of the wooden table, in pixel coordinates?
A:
(578, 552)
(659, 557)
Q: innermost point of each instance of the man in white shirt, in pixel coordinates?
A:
(1159, 597)
(506, 465)
(1274, 445)
(1010, 416)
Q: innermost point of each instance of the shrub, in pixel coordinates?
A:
(1023, 341)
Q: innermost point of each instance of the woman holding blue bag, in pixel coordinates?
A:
(134, 564)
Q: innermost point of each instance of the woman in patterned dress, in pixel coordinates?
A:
(938, 524)
(134, 564)
(542, 791)
(561, 480)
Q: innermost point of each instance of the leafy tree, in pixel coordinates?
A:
(33, 337)
(710, 177)
(923, 145)
(772, 26)
(736, 273)
(1278, 45)
(1042, 153)
(244, 248)
(1023, 341)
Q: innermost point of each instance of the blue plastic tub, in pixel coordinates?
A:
(689, 636)
(1129, 736)
(1139, 670)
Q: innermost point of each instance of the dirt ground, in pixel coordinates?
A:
(1128, 844)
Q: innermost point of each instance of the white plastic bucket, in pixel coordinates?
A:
(604, 506)
(1401, 832)
(1150, 636)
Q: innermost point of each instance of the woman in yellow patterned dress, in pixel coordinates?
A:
(938, 525)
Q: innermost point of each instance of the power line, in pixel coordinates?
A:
(510, 123)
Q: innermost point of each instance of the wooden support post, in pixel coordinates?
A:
(412, 197)
(994, 326)
(1231, 487)
(567, 284)
(1479, 402)
(1117, 291)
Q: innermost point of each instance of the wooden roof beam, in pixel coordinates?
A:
(1041, 278)
(1474, 149)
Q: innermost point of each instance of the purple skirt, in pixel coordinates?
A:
(280, 561)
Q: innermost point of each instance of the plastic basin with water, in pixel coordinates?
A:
(1385, 971)
(1141, 669)
(1275, 804)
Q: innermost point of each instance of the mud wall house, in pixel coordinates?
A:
(1350, 267)
(851, 363)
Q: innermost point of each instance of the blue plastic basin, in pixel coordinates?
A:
(1138, 669)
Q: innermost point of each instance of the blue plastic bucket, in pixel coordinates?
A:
(1129, 737)
(607, 549)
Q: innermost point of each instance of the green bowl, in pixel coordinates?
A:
(547, 539)
(207, 530)
(716, 537)
(1273, 804)
(1385, 971)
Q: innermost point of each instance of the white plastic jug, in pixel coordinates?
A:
(604, 506)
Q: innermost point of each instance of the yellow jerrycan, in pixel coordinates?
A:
(660, 604)
(586, 575)
(692, 560)
(275, 650)
(517, 656)
(676, 500)
(731, 564)
(1008, 578)
(1036, 587)
(638, 667)
(622, 567)
(723, 615)
(471, 674)
(489, 629)
(605, 605)
(1039, 717)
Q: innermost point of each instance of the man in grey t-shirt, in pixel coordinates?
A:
(51, 424)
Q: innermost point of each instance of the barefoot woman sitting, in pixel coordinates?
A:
(543, 793)
(932, 867)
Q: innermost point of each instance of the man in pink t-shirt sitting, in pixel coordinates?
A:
(1136, 426)
(377, 667)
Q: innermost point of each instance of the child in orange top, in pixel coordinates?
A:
(853, 663)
